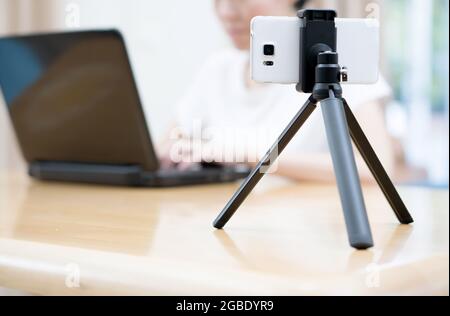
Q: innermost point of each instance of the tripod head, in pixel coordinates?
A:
(328, 76)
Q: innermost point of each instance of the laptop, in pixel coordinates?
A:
(76, 112)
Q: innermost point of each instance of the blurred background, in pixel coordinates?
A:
(169, 40)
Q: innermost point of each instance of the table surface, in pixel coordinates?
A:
(287, 239)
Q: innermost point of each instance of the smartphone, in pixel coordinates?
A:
(275, 49)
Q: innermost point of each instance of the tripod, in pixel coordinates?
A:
(340, 124)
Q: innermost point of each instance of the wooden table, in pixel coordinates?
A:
(288, 239)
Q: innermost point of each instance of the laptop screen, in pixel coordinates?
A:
(72, 98)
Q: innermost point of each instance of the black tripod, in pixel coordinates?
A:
(340, 124)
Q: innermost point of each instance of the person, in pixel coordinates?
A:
(224, 106)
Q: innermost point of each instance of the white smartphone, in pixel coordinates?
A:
(275, 49)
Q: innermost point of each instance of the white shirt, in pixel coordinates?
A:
(252, 119)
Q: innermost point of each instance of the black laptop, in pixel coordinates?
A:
(77, 115)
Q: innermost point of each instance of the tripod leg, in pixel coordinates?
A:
(375, 166)
(258, 173)
(359, 233)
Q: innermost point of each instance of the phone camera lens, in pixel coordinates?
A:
(269, 50)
